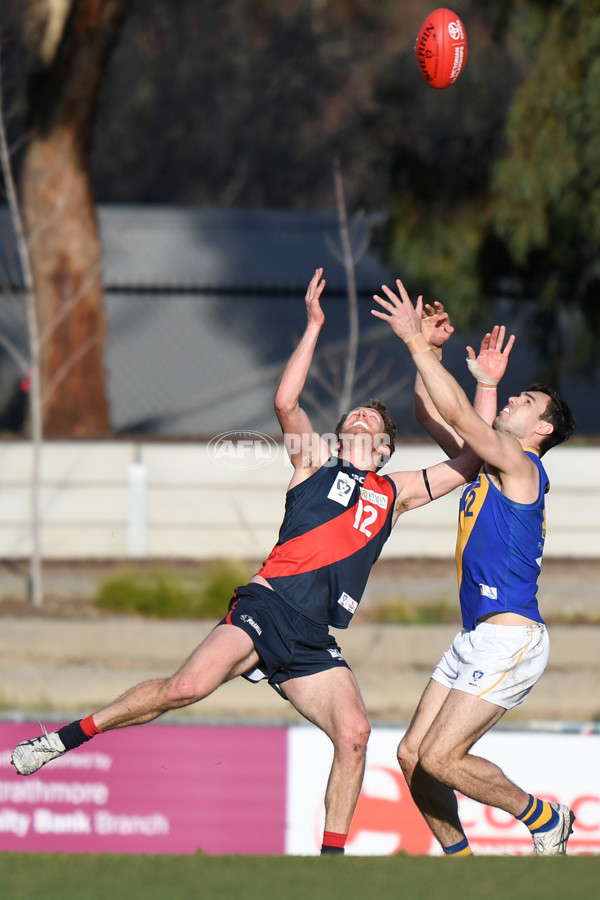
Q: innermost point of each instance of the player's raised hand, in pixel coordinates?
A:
(397, 309)
(435, 324)
(492, 360)
(314, 313)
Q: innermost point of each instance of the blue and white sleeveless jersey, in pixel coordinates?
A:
(499, 549)
(335, 525)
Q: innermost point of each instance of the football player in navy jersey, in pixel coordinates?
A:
(339, 512)
(503, 648)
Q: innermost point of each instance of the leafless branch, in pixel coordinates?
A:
(367, 363)
(14, 352)
(345, 398)
(35, 577)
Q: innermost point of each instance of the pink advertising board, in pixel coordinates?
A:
(153, 789)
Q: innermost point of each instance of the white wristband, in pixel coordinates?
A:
(481, 376)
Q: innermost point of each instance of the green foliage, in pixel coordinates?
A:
(498, 179)
(165, 593)
(541, 183)
(546, 190)
(437, 257)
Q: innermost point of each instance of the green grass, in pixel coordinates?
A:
(170, 594)
(82, 877)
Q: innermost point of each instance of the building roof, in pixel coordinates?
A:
(204, 307)
(154, 247)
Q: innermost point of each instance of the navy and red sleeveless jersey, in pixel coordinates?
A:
(334, 527)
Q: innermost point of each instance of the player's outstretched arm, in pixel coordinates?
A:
(446, 393)
(414, 489)
(306, 449)
(436, 328)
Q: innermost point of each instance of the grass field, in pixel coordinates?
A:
(79, 877)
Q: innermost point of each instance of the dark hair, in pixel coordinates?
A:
(388, 423)
(558, 414)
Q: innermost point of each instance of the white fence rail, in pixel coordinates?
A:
(119, 500)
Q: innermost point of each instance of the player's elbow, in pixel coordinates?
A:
(284, 409)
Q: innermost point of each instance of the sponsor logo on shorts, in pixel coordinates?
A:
(335, 653)
(347, 602)
(486, 591)
(250, 621)
(342, 488)
(379, 500)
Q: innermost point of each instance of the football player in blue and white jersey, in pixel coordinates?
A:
(502, 649)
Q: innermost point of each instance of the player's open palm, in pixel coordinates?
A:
(492, 359)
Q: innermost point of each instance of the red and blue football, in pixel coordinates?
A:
(441, 48)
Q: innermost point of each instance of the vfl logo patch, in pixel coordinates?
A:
(476, 677)
(348, 603)
(379, 500)
(250, 621)
(486, 591)
(334, 653)
(341, 489)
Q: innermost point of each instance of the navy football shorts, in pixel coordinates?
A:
(289, 644)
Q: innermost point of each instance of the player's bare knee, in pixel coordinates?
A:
(354, 738)
(408, 756)
(181, 691)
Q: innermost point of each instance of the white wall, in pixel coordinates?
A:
(117, 500)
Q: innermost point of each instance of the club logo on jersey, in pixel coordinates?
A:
(250, 621)
(486, 591)
(348, 603)
(379, 500)
(341, 489)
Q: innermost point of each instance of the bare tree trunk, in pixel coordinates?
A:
(69, 42)
(31, 366)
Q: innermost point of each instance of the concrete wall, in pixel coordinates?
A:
(119, 500)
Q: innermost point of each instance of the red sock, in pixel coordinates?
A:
(88, 726)
(333, 842)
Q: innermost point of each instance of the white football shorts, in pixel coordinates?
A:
(499, 663)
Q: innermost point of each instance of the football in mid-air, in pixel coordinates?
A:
(441, 48)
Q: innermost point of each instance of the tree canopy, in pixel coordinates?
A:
(546, 188)
(488, 184)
